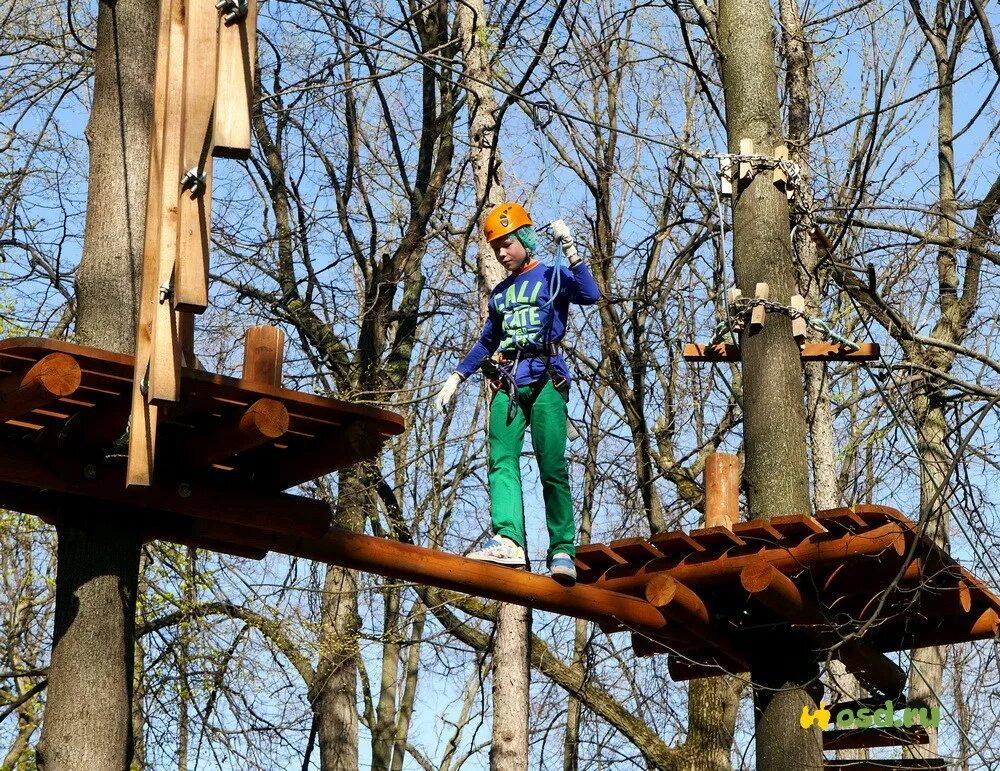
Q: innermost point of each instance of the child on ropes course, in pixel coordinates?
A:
(530, 381)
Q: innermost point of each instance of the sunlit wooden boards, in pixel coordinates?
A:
(196, 50)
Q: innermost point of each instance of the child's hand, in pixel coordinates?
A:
(562, 235)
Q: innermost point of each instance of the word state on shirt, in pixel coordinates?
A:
(518, 306)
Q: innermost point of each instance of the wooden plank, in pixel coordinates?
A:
(359, 441)
(717, 538)
(263, 355)
(206, 499)
(597, 556)
(42, 383)
(160, 236)
(635, 549)
(809, 352)
(863, 738)
(194, 210)
(676, 544)
(717, 352)
(234, 85)
(887, 764)
(839, 352)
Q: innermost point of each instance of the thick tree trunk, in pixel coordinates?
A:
(776, 474)
(511, 672)
(88, 716)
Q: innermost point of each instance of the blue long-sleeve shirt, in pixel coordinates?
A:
(521, 317)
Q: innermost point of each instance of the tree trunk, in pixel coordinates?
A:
(776, 473)
(88, 716)
(511, 672)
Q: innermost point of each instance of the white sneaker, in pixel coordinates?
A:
(500, 551)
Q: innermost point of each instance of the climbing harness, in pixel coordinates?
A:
(741, 309)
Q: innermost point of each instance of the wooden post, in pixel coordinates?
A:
(234, 85)
(195, 205)
(47, 380)
(722, 490)
(263, 355)
(160, 239)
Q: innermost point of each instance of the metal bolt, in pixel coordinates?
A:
(90, 471)
(195, 180)
(184, 490)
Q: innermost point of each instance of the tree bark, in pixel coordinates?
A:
(88, 715)
(511, 671)
(776, 473)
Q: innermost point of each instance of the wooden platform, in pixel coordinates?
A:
(823, 580)
(224, 451)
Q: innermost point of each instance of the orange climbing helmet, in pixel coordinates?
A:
(505, 219)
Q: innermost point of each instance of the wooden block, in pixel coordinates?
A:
(725, 176)
(234, 86)
(722, 490)
(263, 355)
(746, 169)
(758, 314)
(161, 229)
(779, 176)
(194, 211)
(799, 325)
(734, 295)
(717, 352)
(263, 421)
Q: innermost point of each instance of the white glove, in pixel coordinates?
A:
(560, 233)
(447, 391)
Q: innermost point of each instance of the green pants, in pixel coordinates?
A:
(542, 407)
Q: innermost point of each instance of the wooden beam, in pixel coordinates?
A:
(263, 421)
(359, 441)
(780, 594)
(681, 605)
(234, 85)
(722, 490)
(263, 356)
(160, 236)
(420, 565)
(204, 499)
(681, 668)
(864, 738)
(809, 352)
(888, 764)
(37, 385)
(759, 314)
(813, 551)
(194, 207)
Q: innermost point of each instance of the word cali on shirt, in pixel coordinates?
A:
(522, 318)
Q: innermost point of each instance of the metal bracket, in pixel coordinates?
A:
(195, 180)
(232, 10)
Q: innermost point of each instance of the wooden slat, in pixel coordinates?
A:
(359, 441)
(809, 352)
(717, 538)
(758, 530)
(234, 85)
(598, 556)
(676, 543)
(40, 384)
(277, 513)
(863, 738)
(194, 211)
(635, 549)
(887, 764)
(160, 236)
